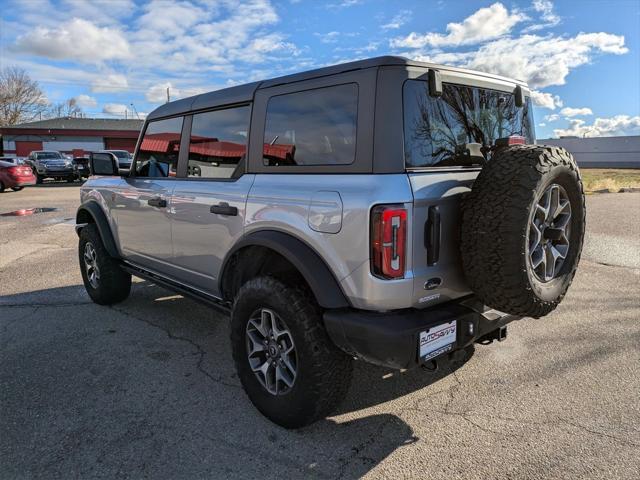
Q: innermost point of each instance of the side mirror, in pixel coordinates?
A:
(103, 163)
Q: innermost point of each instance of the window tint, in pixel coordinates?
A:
(158, 153)
(218, 142)
(314, 127)
(457, 128)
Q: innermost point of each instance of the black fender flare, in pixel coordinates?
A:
(315, 271)
(93, 209)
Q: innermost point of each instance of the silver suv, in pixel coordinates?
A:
(386, 210)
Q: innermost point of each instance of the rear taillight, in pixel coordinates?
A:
(18, 171)
(388, 241)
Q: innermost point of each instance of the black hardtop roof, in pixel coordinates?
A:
(245, 93)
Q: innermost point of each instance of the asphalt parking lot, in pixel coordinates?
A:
(147, 389)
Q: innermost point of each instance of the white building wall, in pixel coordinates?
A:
(601, 152)
(68, 146)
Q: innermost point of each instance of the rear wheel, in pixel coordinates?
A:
(16, 189)
(522, 229)
(287, 364)
(105, 282)
(39, 179)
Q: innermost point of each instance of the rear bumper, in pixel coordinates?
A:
(24, 182)
(391, 339)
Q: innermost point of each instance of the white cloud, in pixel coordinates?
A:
(329, 37)
(485, 24)
(575, 112)
(540, 61)
(77, 40)
(173, 18)
(554, 117)
(113, 82)
(602, 127)
(344, 4)
(542, 124)
(399, 19)
(547, 16)
(86, 101)
(545, 100)
(158, 93)
(115, 109)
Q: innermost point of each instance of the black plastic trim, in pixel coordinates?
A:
(322, 282)
(201, 297)
(100, 219)
(390, 339)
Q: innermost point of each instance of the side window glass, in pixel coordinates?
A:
(218, 142)
(158, 153)
(314, 127)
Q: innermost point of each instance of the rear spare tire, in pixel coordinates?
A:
(522, 229)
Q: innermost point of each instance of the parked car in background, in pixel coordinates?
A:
(124, 158)
(15, 176)
(81, 164)
(14, 160)
(51, 164)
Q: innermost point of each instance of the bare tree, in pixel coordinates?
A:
(68, 108)
(21, 99)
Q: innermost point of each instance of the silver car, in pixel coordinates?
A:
(385, 210)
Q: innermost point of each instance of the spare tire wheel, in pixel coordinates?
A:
(522, 229)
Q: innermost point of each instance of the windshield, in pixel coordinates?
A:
(121, 154)
(48, 155)
(457, 128)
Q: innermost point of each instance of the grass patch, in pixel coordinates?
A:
(595, 179)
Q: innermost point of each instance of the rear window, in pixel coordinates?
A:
(314, 127)
(457, 128)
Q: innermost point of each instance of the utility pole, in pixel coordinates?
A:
(134, 110)
(168, 95)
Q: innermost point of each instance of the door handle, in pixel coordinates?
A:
(223, 208)
(157, 202)
(432, 235)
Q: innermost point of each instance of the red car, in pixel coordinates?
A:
(15, 176)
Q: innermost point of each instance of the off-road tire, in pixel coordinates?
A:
(114, 284)
(323, 371)
(495, 223)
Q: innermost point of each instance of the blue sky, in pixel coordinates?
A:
(582, 58)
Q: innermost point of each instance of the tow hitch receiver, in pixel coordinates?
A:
(498, 334)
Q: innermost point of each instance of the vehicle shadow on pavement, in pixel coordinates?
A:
(148, 388)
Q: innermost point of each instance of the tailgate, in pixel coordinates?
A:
(436, 263)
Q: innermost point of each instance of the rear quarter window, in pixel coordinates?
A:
(312, 127)
(456, 129)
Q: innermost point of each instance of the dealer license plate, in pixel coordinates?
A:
(437, 340)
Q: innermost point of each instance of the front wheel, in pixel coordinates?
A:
(16, 189)
(287, 364)
(39, 179)
(105, 281)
